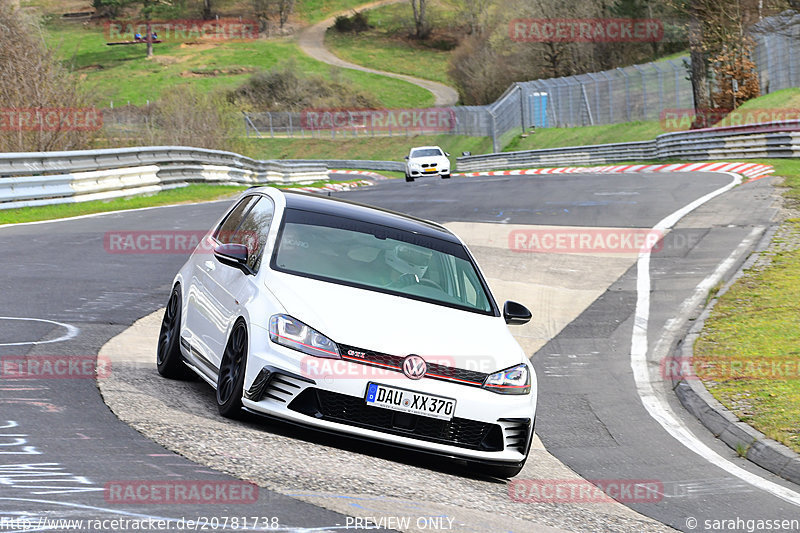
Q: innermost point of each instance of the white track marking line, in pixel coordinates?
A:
(72, 331)
(655, 406)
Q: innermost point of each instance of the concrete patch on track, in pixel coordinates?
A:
(556, 287)
(367, 480)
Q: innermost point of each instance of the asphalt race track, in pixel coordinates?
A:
(61, 446)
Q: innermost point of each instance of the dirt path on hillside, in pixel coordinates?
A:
(312, 42)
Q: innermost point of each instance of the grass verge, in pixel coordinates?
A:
(182, 195)
(586, 135)
(748, 353)
(196, 192)
(376, 148)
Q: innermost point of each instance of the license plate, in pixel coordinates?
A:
(407, 401)
(430, 170)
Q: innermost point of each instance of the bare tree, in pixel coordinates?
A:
(285, 8)
(35, 82)
(475, 14)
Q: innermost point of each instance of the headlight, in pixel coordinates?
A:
(292, 333)
(514, 380)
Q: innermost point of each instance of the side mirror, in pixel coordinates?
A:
(406, 158)
(447, 154)
(516, 314)
(234, 255)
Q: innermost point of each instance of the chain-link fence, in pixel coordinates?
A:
(635, 93)
(340, 124)
(639, 92)
(777, 51)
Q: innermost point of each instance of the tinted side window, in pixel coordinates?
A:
(226, 231)
(253, 230)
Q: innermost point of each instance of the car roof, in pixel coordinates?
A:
(374, 215)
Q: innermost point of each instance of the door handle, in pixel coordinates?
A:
(209, 265)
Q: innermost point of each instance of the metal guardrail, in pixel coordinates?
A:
(765, 140)
(40, 178)
(37, 163)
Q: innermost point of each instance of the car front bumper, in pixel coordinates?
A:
(418, 173)
(486, 427)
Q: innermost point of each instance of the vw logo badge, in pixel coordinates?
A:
(414, 367)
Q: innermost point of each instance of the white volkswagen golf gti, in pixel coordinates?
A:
(353, 319)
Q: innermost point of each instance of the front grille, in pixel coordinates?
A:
(354, 411)
(395, 362)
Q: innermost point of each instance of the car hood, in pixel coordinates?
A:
(398, 326)
(438, 159)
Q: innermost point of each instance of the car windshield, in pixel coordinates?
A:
(381, 258)
(426, 152)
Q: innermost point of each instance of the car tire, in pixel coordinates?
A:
(409, 178)
(445, 176)
(168, 353)
(500, 471)
(230, 381)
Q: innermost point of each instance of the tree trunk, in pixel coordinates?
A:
(699, 70)
(149, 39)
(207, 10)
(418, 6)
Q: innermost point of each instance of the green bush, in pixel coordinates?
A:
(357, 23)
(283, 89)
